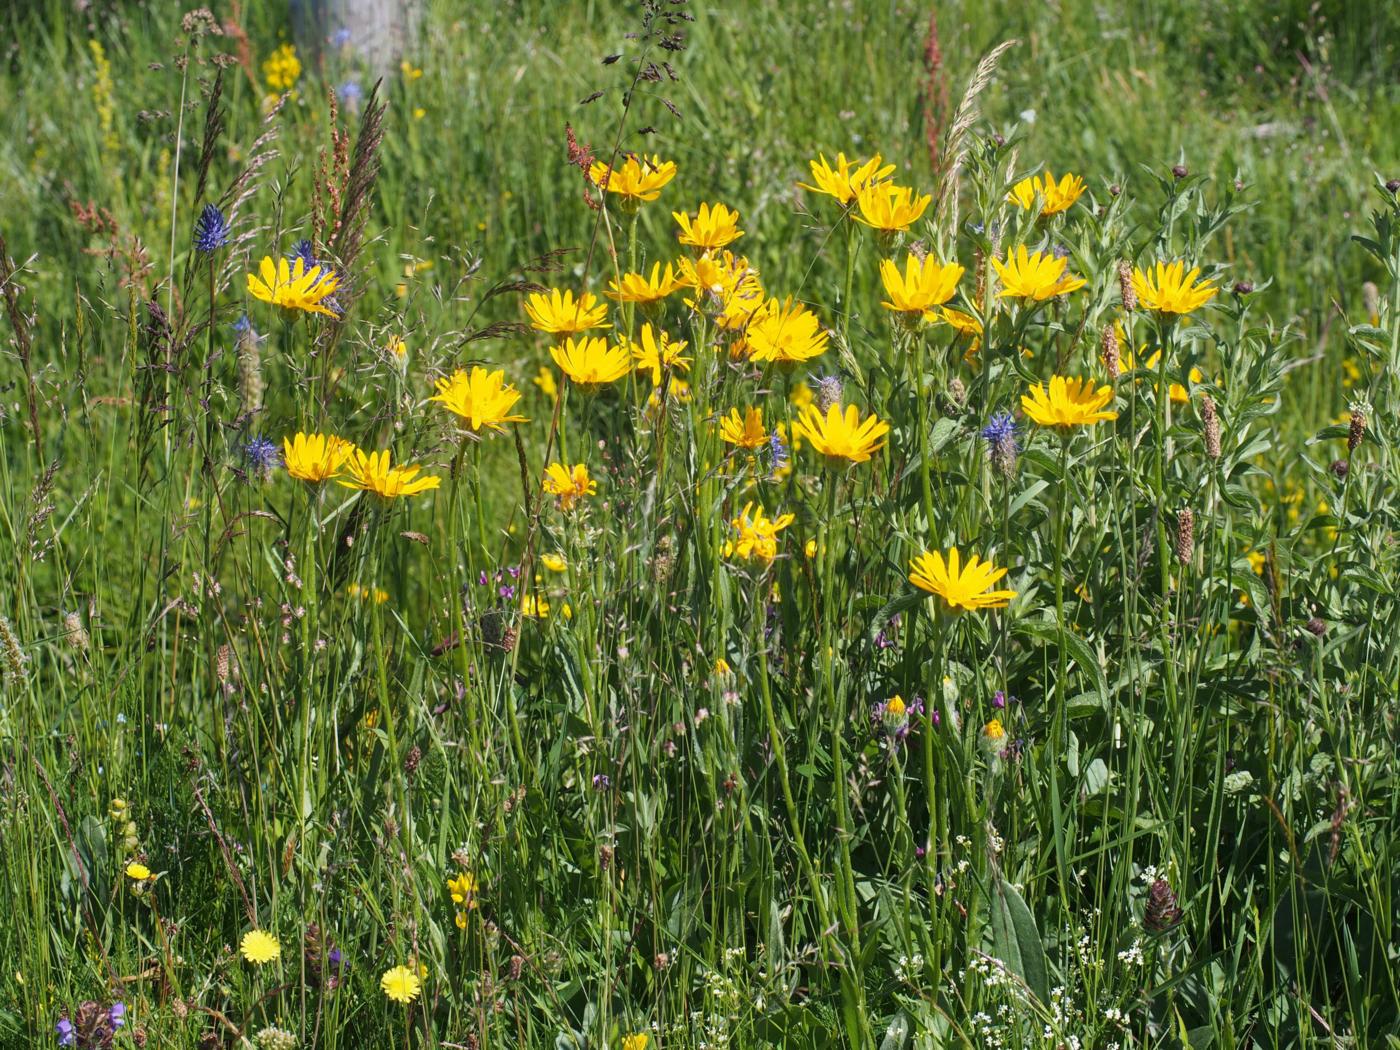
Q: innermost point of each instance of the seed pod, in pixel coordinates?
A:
(1162, 911)
(1109, 342)
(1185, 534)
(11, 653)
(1210, 424)
(1358, 428)
(1125, 285)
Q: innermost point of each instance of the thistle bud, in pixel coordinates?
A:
(1179, 171)
(1185, 535)
(1340, 469)
(1125, 285)
(1109, 343)
(1162, 911)
(1244, 287)
(1317, 626)
(1393, 185)
(1210, 424)
(1358, 428)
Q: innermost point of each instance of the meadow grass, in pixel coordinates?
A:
(624, 767)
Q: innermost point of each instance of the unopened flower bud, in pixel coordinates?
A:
(1340, 469)
(1179, 171)
(1244, 287)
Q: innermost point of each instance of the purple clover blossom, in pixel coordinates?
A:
(210, 230)
(67, 1034)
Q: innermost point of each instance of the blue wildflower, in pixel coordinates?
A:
(1000, 435)
(306, 252)
(341, 37)
(262, 456)
(117, 1015)
(777, 453)
(67, 1034)
(210, 230)
(350, 94)
(829, 391)
(243, 325)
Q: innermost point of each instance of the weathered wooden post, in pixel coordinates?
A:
(379, 31)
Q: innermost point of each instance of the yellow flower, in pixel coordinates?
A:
(960, 587)
(711, 228)
(544, 379)
(463, 889)
(784, 333)
(925, 283)
(726, 285)
(890, 208)
(401, 984)
(371, 472)
(756, 535)
(638, 179)
(1169, 289)
(1256, 561)
(259, 947)
(481, 399)
(722, 667)
(994, 731)
(847, 179)
(282, 68)
(292, 286)
(570, 484)
(964, 323)
(460, 920)
(1177, 392)
(635, 1041)
(590, 362)
(558, 313)
(802, 395)
(656, 354)
(363, 593)
(554, 562)
(534, 607)
(896, 706)
(1034, 276)
(810, 549)
(637, 288)
(137, 871)
(842, 434)
(747, 432)
(397, 347)
(315, 457)
(1070, 402)
(1055, 196)
(409, 70)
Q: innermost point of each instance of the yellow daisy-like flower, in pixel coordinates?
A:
(726, 285)
(1035, 276)
(554, 562)
(138, 871)
(890, 208)
(659, 352)
(961, 587)
(1069, 402)
(637, 179)
(756, 536)
(964, 323)
(636, 1041)
(1169, 289)
(784, 332)
(260, 947)
(638, 288)
(282, 68)
(290, 285)
(462, 889)
(544, 379)
(925, 283)
(994, 731)
(842, 434)
(1178, 393)
(570, 484)
(590, 362)
(745, 432)
(712, 227)
(848, 178)
(315, 457)
(558, 313)
(482, 399)
(1055, 196)
(401, 984)
(371, 472)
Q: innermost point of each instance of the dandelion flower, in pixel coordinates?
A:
(638, 288)
(1169, 288)
(712, 227)
(1055, 196)
(293, 286)
(315, 457)
(401, 984)
(962, 587)
(925, 283)
(1034, 276)
(659, 352)
(847, 179)
(482, 399)
(785, 333)
(637, 179)
(260, 947)
(890, 208)
(756, 536)
(137, 871)
(1069, 402)
(570, 484)
(371, 472)
(590, 362)
(558, 313)
(745, 432)
(841, 434)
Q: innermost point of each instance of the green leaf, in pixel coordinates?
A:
(1017, 940)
